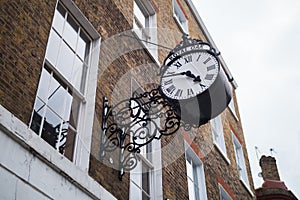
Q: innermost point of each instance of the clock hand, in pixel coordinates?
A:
(181, 73)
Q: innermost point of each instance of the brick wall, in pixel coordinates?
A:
(24, 33)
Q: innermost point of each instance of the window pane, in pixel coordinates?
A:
(191, 190)
(70, 144)
(135, 192)
(58, 21)
(83, 46)
(39, 109)
(73, 117)
(70, 32)
(51, 128)
(139, 16)
(77, 73)
(68, 103)
(189, 169)
(52, 47)
(44, 85)
(57, 98)
(65, 61)
(146, 179)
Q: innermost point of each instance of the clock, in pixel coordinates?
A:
(194, 83)
(189, 75)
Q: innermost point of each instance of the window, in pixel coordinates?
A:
(232, 108)
(144, 25)
(146, 177)
(240, 161)
(223, 194)
(180, 17)
(62, 90)
(218, 135)
(195, 176)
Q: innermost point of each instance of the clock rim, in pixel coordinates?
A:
(180, 56)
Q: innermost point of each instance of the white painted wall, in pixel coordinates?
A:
(31, 169)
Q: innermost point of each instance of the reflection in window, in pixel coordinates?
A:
(62, 82)
(195, 176)
(180, 17)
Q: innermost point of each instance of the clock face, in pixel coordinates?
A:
(189, 75)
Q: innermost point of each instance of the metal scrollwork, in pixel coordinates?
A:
(134, 123)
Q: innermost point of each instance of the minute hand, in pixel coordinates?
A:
(178, 74)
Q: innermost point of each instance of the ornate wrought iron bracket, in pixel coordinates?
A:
(134, 123)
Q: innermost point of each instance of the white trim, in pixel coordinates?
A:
(223, 193)
(23, 135)
(184, 27)
(224, 155)
(189, 152)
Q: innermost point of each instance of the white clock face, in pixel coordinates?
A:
(189, 75)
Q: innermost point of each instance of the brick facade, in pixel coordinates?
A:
(24, 34)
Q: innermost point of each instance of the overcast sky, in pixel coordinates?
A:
(260, 42)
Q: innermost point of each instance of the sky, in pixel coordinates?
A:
(260, 43)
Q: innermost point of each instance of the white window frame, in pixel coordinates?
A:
(223, 193)
(86, 113)
(146, 31)
(199, 168)
(231, 107)
(147, 158)
(180, 18)
(240, 162)
(218, 136)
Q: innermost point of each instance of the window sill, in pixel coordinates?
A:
(150, 52)
(247, 187)
(222, 153)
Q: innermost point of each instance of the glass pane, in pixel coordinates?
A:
(51, 128)
(70, 144)
(68, 103)
(73, 117)
(65, 61)
(58, 21)
(77, 73)
(38, 112)
(83, 46)
(62, 137)
(139, 15)
(191, 190)
(52, 47)
(189, 169)
(44, 85)
(146, 179)
(135, 192)
(70, 32)
(57, 98)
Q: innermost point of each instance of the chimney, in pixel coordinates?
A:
(269, 168)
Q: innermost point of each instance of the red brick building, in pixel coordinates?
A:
(59, 58)
(273, 187)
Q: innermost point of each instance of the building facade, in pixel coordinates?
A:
(59, 59)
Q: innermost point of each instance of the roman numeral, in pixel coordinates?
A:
(168, 82)
(209, 76)
(207, 60)
(211, 67)
(202, 86)
(171, 89)
(178, 65)
(178, 92)
(188, 59)
(190, 91)
(198, 57)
